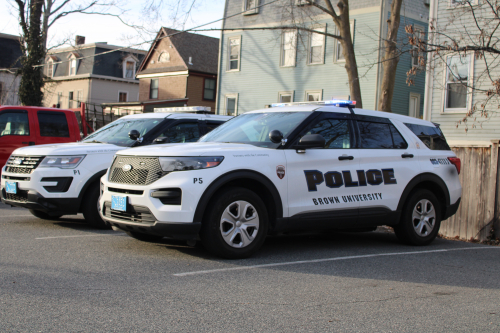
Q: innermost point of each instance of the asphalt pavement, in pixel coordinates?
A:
(63, 276)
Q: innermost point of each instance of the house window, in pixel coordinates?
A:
(50, 68)
(209, 90)
(455, 3)
(70, 100)
(164, 57)
(234, 53)
(129, 69)
(79, 98)
(231, 107)
(414, 110)
(73, 64)
(153, 89)
(316, 47)
(285, 97)
(288, 48)
(419, 33)
(339, 50)
(122, 96)
(458, 75)
(59, 99)
(314, 95)
(250, 7)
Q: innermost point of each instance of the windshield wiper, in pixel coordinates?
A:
(93, 141)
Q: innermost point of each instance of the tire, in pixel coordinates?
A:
(43, 215)
(144, 237)
(90, 205)
(420, 220)
(226, 232)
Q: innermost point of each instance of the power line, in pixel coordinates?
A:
(176, 33)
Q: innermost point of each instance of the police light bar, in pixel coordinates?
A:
(333, 102)
(185, 109)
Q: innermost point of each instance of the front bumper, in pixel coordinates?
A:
(33, 200)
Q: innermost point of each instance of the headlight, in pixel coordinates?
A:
(63, 162)
(169, 164)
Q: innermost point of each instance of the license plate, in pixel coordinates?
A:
(11, 187)
(119, 203)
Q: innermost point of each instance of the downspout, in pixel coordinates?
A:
(380, 47)
(429, 68)
(219, 69)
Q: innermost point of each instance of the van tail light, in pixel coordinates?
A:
(456, 162)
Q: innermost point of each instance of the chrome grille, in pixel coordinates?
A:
(135, 214)
(23, 164)
(144, 171)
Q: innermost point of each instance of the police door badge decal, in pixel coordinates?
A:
(280, 171)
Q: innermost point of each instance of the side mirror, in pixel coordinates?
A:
(310, 141)
(275, 136)
(161, 139)
(134, 135)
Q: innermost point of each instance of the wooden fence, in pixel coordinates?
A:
(479, 209)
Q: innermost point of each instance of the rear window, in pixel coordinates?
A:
(53, 124)
(431, 136)
(380, 136)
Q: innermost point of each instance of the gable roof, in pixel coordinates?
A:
(10, 53)
(203, 50)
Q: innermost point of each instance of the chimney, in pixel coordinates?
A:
(79, 40)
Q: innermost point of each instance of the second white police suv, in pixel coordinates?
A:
(287, 168)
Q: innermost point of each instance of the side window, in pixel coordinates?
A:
(380, 136)
(14, 123)
(211, 125)
(183, 132)
(335, 131)
(53, 124)
(431, 136)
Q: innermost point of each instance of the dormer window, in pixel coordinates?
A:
(51, 65)
(164, 57)
(73, 63)
(129, 64)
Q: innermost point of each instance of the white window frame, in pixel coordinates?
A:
(73, 60)
(79, 98)
(294, 46)
(228, 96)
(49, 64)
(290, 93)
(228, 66)
(302, 2)
(167, 58)
(71, 99)
(250, 11)
(453, 4)
(122, 92)
(470, 82)
(419, 31)
(309, 46)
(124, 65)
(59, 98)
(313, 92)
(337, 44)
(417, 111)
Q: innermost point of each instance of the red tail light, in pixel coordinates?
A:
(456, 162)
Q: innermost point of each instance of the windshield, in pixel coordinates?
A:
(117, 132)
(254, 128)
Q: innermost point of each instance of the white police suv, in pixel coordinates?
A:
(63, 179)
(288, 168)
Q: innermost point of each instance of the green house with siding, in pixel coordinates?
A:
(259, 65)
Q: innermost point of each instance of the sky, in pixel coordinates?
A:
(98, 28)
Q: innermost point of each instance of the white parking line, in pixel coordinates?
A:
(18, 215)
(119, 234)
(328, 259)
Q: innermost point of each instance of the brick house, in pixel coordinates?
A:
(179, 69)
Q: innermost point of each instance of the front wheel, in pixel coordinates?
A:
(90, 207)
(235, 225)
(420, 220)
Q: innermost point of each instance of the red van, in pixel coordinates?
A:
(31, 125)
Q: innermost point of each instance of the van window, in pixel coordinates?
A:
(53, 124)
(431, 136)
(380, 136)
(14, 123)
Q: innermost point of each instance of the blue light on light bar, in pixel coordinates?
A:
(333, 102)
(340, 102)
(276, 105)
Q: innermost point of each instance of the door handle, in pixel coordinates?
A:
(31, 143)
(407, 155)
(344, 157)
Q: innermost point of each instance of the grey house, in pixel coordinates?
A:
(92, 74)
(261, 67)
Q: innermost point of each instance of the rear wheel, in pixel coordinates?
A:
(421, 219)
(43, 215)
(235, 225)
(144, 237)
(90, 206)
